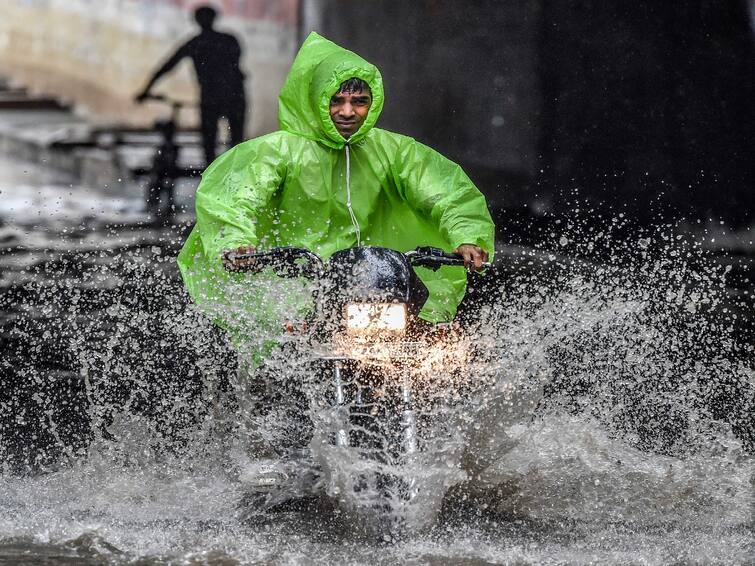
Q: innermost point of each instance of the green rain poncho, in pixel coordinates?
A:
(289, 188)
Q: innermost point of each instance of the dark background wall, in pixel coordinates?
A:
(643, 107)
(649, 105)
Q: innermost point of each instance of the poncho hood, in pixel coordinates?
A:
(316, 73)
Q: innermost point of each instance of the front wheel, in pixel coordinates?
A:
(373, 428)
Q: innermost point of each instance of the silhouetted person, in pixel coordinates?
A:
(216, 61)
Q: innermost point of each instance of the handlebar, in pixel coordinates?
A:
(434, 258)
(299, 262)
(284, 261)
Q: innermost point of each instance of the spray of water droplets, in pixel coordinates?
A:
(603, 400)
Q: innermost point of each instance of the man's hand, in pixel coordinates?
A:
(232, 263)
(474, 256)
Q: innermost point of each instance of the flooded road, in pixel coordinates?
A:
(616, 426)
(557, 505)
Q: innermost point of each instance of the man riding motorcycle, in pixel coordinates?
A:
(329, 180)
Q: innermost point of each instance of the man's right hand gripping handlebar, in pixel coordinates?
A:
(237, 259)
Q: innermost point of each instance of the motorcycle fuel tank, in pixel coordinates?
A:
(372, 275)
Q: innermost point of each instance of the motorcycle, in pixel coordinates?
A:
(379, 409)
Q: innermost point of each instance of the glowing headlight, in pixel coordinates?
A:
(375, 317)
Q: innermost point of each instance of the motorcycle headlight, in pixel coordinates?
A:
(375, 317)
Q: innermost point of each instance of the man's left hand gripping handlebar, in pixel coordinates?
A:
(232, 262)
(474, 256)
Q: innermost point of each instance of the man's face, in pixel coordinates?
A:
(348, 111)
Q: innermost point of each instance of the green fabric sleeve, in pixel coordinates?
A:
(233, 205)
(439, 188)
(234, 191)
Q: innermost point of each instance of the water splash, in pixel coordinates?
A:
(607, 402)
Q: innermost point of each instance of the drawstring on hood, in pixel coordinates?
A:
(348, 196)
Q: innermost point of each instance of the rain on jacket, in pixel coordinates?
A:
(291, 188)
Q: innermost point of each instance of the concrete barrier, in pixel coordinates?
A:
(96, 54)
